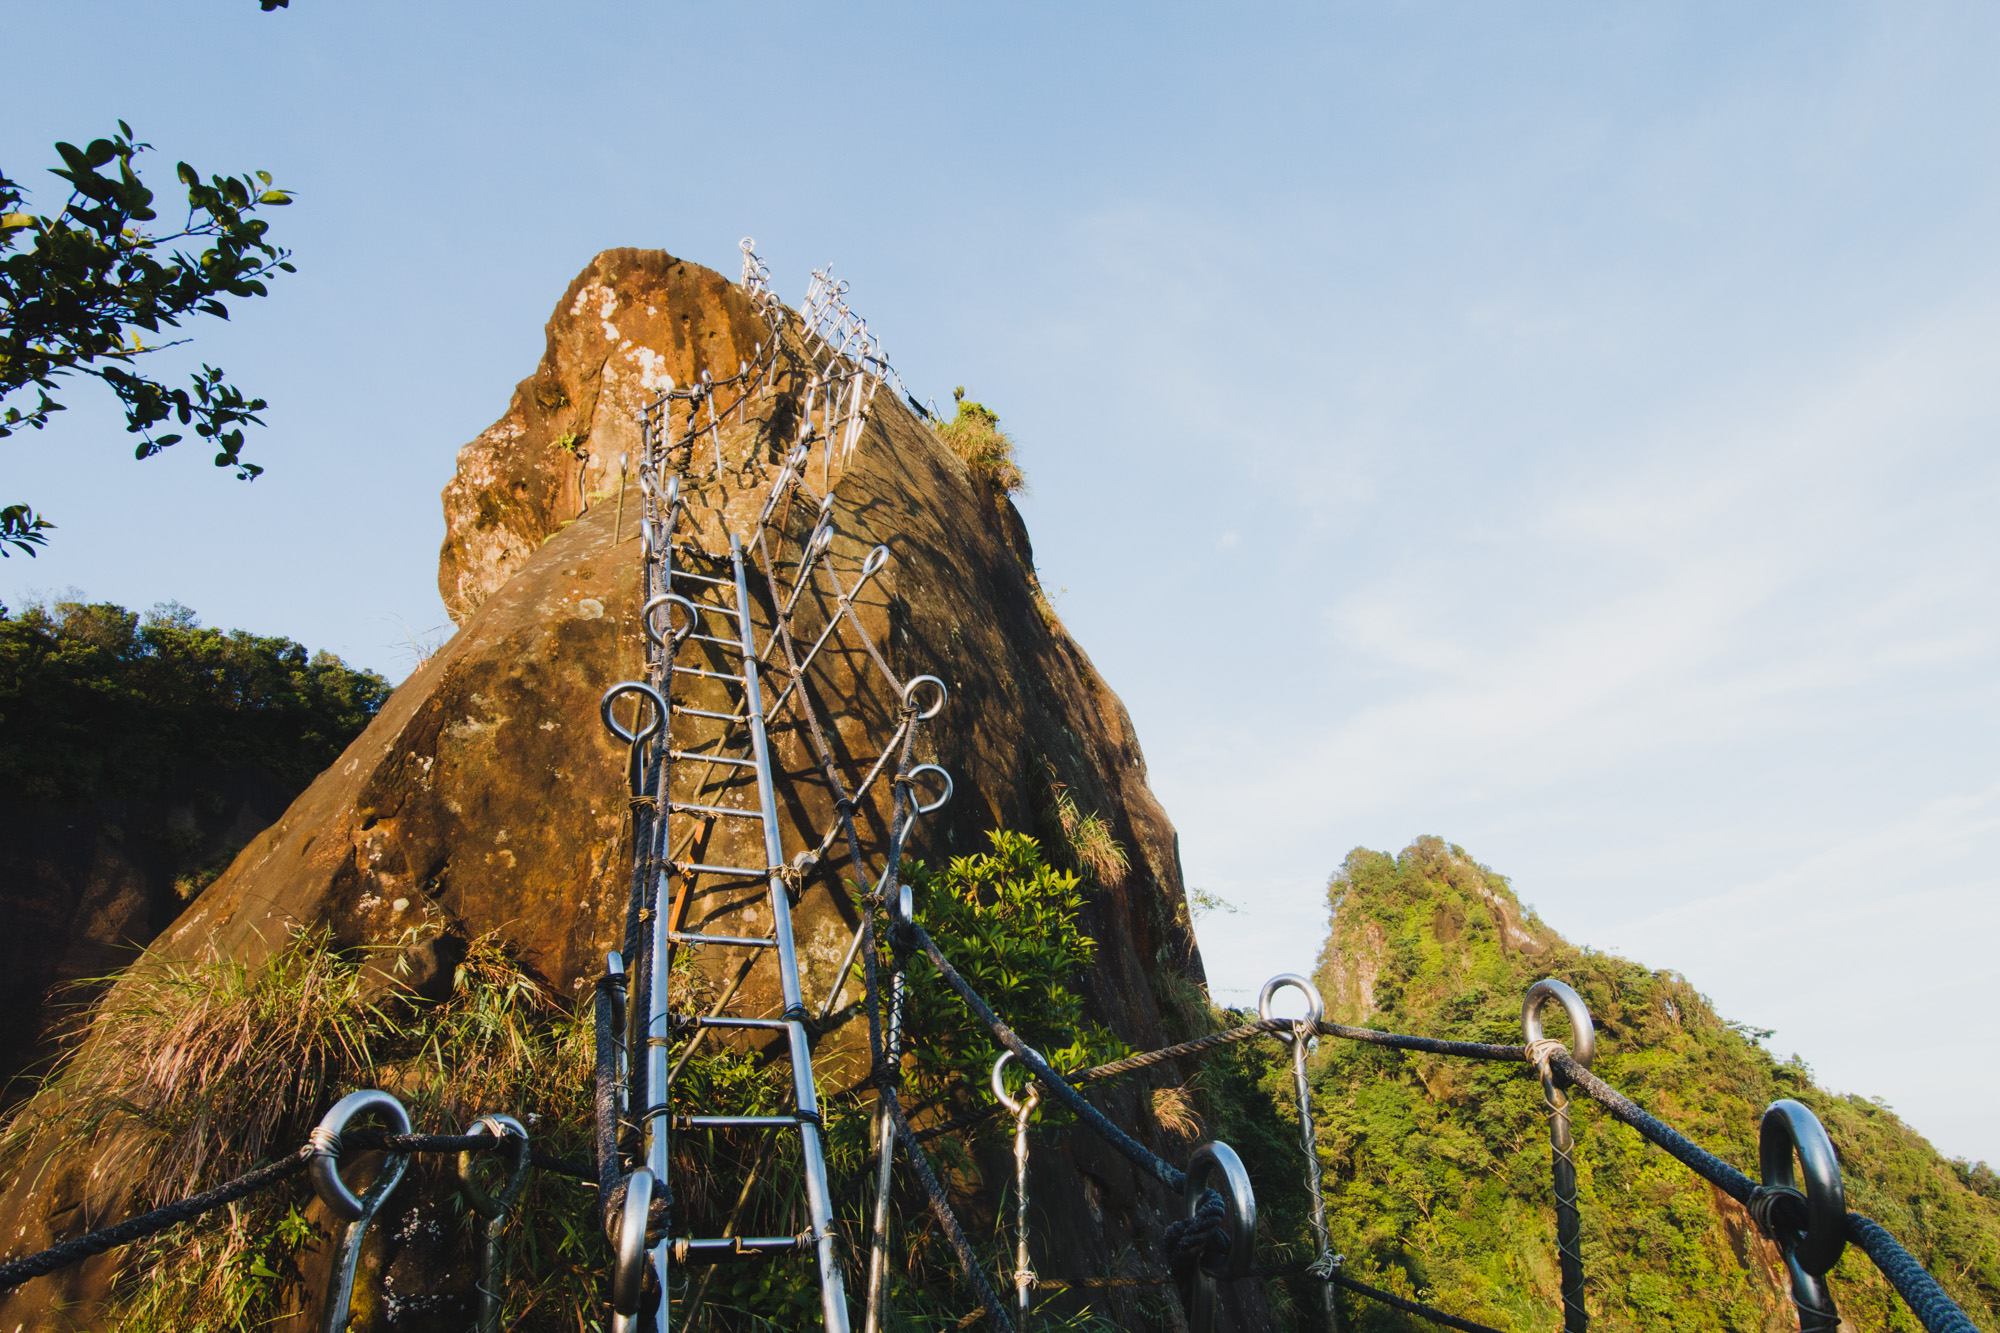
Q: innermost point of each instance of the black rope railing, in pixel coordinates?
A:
(1925, 1297)
(1920, 1291)
(66, 1253)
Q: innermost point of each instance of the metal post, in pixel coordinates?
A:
(1541, 1050)
(1303, 1039)
(885, 1137)
(1024, 1273)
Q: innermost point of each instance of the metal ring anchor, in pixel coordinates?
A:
(1583, 1037)
(1000, 1084)
(645, 691)
(911, 778)
(1787, 1128)
(1562, 1146)
(873, 564)
(910, 690)
(628, 1272)
(494, 1208)
(332, 1190)
(1024, 1273)
(1315, 1007)
(496, 1204)
(821, 539)
(666, 601)
(1240, 1221)
(340, 1200)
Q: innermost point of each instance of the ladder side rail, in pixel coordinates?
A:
(819, 1203)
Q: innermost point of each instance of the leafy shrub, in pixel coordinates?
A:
(1009, 922)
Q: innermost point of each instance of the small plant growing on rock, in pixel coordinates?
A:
(975, 436)
(1086, 833)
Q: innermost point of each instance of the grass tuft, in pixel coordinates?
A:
(202, 1064)
(1088, 836)
(198, 1071)
(1174, 1109)
(975, 436)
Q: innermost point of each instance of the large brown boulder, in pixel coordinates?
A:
(629, 323)
(487, 794)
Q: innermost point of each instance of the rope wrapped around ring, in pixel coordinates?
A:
(1202, 1235)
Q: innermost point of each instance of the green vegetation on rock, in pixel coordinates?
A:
(209, 1068)
(1437, 1169)
(974, 434)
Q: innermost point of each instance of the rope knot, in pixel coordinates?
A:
(793, 874)
(1778, 1207)
(646, 803)
(1203, 1235)
(1542, 1051)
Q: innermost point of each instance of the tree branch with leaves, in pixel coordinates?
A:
(81, 289)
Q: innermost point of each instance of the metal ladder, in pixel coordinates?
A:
(686, 590)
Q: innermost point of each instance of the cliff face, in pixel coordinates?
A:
(1438, 1169)
(488, 801)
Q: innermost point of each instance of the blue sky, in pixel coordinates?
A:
(1565, 429)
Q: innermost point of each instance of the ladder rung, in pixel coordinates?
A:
(697, 868)
(737, 644)
(689, 807)
(738, 1247)
(713, 758)
(703, 712)
(745, 941)
(712, 675)
(686, 1122)
(712, 1022)
(704, 578)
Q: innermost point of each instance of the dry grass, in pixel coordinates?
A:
(1173, 1108)
(975, 436)
(202, 1063)
(197, 1071)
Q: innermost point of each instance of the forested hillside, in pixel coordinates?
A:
(138, 754)
(1437, 1170)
